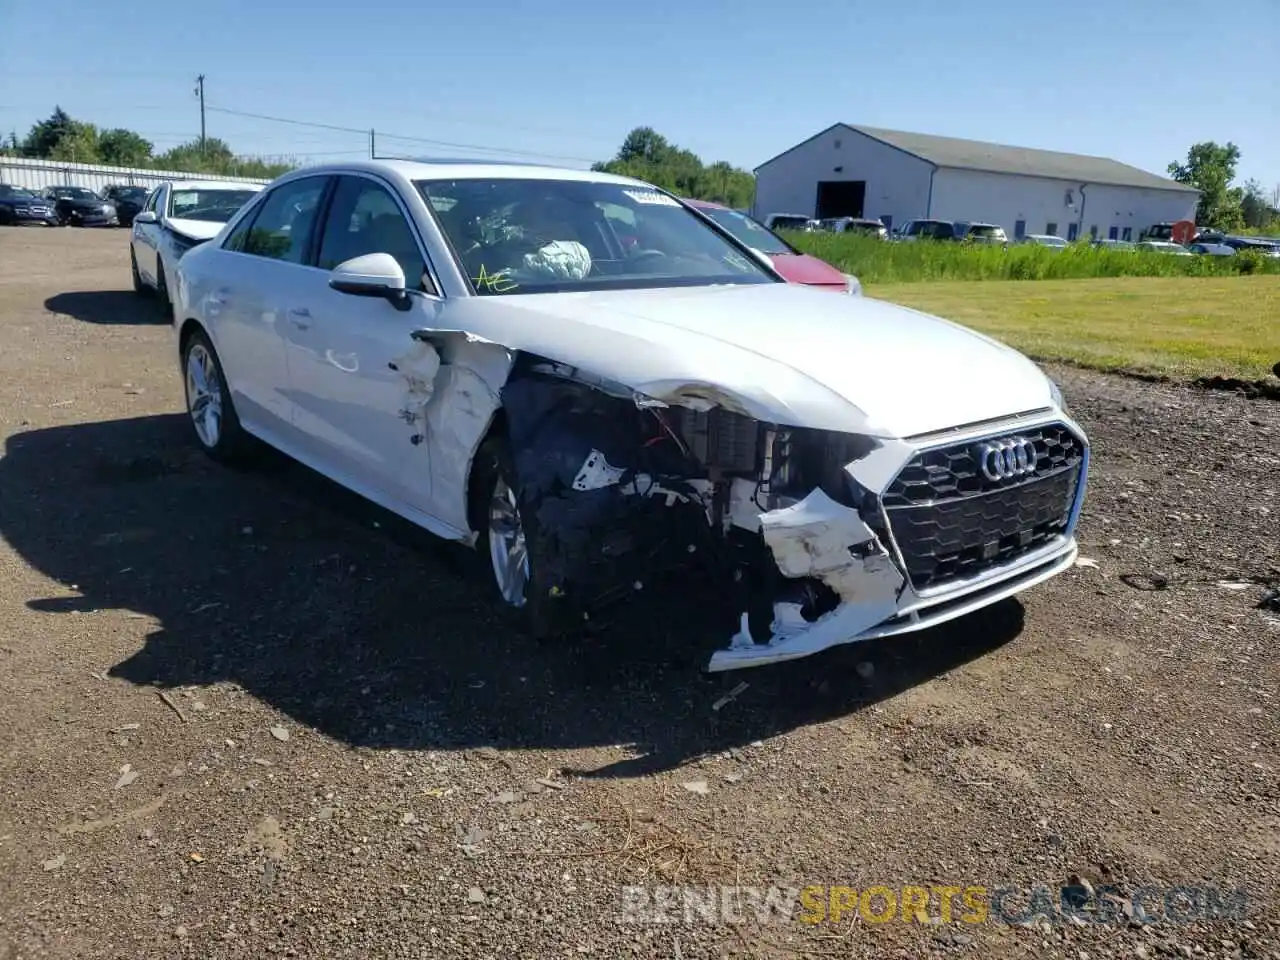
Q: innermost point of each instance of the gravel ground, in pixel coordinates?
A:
(244, 714)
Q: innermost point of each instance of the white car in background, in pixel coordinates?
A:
(594, 385)
(1166, 247)
(1045, 240)
(175, 218)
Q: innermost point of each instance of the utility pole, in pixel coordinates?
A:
(373, 145)
(200, 94)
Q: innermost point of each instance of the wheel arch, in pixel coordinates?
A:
(476, 505)
(187, 330)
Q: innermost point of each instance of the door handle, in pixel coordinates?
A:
(300, 317)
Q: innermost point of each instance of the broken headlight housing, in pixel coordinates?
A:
(801, 460)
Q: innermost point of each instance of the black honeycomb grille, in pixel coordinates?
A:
(948, 473)
(951, 522)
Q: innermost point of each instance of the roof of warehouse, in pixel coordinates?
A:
(999, 158)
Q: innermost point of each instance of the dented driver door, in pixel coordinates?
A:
(350, 401)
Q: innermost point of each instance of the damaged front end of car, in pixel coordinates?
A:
(805, 526)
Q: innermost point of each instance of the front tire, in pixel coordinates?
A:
(213, 416)
(509, 542)
(162, 290)
(139, 286)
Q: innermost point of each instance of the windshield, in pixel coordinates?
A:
(932, 229)
(748, 231)
(17, 193)
(74, 193)
(131, 193)
(212, 206)
(790, 223)
(546, 236)
(1161, 231)
(985, 231)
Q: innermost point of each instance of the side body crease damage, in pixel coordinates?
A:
(618, 488)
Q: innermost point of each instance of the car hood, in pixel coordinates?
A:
(802, 268)
(194, 229)
(778, 352)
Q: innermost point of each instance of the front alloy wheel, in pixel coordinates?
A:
(213, 416)
(508, 550)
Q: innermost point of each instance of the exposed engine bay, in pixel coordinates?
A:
(813, 537)
(617, 486)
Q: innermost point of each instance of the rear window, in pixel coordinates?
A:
(748, 231)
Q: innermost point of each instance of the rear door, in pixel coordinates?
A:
(264, 263)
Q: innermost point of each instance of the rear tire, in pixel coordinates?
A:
(213, 415)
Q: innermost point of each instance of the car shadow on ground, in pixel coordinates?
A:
(110, 307)
(379, 635)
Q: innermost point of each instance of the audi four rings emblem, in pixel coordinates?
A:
(1006, 458)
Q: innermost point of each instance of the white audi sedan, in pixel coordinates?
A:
(175, 218)
(593, 384)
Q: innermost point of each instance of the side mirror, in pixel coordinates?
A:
(145, 216)
(372, 275)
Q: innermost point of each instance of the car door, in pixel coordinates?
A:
(145, 237)
(351, 405)
(263, 265)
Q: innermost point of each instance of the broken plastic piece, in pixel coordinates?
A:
(822, 539)
(731, 696)
(597, 472)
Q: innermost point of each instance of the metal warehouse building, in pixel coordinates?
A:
(855, 171)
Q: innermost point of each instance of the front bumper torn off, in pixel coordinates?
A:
(821, 539)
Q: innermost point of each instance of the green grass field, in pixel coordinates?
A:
(1173, 326)
(875, 261)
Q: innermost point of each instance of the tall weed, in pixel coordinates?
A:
(878, 261)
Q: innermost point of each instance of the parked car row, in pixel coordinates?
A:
(1155, 239)
(57, 206)
(68, 205)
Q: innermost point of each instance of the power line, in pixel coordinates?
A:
(407, 139)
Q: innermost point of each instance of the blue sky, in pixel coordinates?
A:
(739, 80)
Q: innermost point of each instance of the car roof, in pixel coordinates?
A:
(213, 185)
(467, 170)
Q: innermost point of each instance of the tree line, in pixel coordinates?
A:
(645, 154)
(61, 137)
(1211, 169)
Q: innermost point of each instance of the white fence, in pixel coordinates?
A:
(39, 174)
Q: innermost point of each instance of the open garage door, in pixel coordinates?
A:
(841, 198)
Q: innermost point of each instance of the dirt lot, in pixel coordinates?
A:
(243, 714)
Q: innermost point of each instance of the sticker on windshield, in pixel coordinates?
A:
(650, 197)
(494, 282)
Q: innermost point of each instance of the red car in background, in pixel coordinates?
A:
(795, 266)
